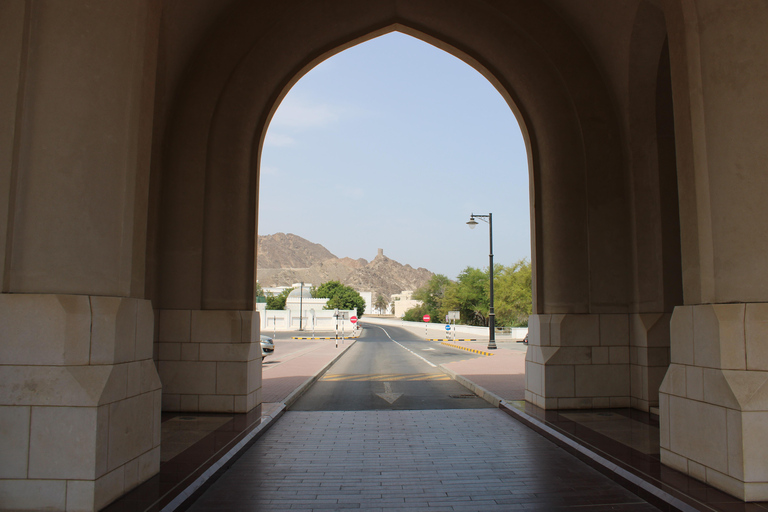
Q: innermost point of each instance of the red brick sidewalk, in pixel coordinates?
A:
(503, 373)
(294, 364)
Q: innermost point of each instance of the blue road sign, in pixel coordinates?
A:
(447, 327)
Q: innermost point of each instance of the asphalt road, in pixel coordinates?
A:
(390, 368)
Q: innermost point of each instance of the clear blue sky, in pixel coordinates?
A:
(392, 144)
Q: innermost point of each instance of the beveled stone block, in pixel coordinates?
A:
(757, 336)
(719, 336)
(131, 429)
(14, 441)
(602, 380)
(755, 425)
(707, 446)
(33, 494)
(175, 325)
(189, 403)
(188, 377)
(109, 487)
(226, 351)
(539, 330)
(251, 326)
(145, 330)
(217, 403)
(559, 381)
(681, 334)
(133, 386)
(190, 351)
(231, 378)
(63, 453)
(614, 330)
(169, 351)
(149, 463)
(113, 333)
(219, 326)
(45, 329)
(571, 356)
(601, 355)
(717, 390)
(619, 355)
(574, 330)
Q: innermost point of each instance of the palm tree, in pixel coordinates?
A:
(381, 304)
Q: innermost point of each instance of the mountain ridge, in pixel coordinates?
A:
(284, 259)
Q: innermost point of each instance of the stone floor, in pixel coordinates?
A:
(445, 460)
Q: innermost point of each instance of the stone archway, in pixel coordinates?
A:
(129, 179)
(207, 221)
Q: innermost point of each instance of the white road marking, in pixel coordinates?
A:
(409, 350)
(388, 395)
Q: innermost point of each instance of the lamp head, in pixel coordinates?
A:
(472, 222)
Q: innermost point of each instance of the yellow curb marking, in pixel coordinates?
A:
(386, 377)
(482, 352)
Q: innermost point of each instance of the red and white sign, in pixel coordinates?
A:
(353, 319)
(426, 318)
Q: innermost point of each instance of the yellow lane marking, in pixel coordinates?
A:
(385, 377)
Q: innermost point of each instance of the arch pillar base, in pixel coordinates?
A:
(714, 398)
(79, 400)
(209, 360)
(578, 361)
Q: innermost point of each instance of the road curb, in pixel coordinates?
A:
(488, 396)
(296, 393)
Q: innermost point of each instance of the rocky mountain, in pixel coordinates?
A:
(283, 250)
(284, 259)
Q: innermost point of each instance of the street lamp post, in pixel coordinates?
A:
(491, 314)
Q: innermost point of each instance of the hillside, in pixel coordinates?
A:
(284, 259)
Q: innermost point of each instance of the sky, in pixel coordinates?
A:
(392, 144)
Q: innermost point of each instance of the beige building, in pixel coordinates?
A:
(403, 301)
(130, 140)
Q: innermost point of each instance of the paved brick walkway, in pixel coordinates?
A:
(444, 460)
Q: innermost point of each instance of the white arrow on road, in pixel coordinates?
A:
(388, 395)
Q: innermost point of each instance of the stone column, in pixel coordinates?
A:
(714, 398)
(79, 400)
(209, 361)
(578, 361)
(79, 393)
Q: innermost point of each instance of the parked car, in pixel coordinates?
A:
(267, 346)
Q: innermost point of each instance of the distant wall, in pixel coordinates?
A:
(438, 330)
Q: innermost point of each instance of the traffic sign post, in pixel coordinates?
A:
(426, 319)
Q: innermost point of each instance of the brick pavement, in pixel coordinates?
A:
(444, 460)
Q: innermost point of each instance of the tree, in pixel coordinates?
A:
(340, 297)
(381, 304)
(469, 296)
(431, 295)
(514, 301)
(277, 302)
